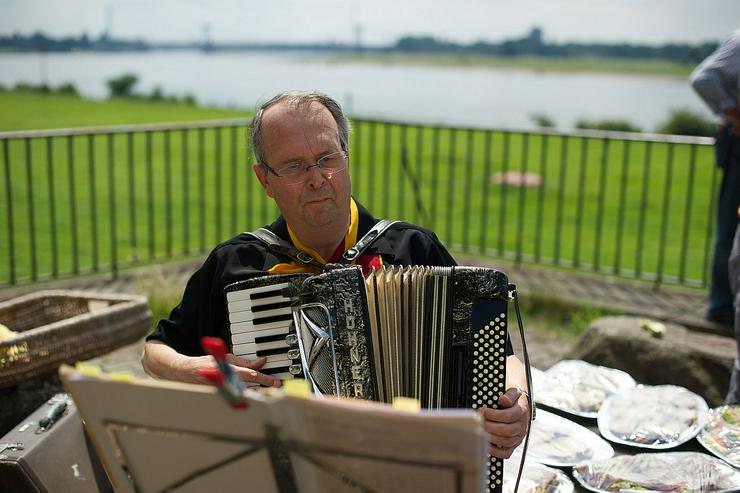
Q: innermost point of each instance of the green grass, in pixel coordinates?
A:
(543, 64)
(600, 208)
(25, 111)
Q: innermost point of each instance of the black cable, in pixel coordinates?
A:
(528, 371)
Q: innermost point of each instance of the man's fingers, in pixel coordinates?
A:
(250, 375)
(510, 397)
(505, 415)
(254, 364)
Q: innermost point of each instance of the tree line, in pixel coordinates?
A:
(531, 44)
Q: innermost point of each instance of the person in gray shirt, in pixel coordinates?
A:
(717, 81)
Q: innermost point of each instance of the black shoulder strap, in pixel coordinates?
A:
(278, 245)
(375, 232)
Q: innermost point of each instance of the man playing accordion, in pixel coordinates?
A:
(301, 145)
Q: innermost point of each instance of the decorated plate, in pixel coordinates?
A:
(721, 433)
(580, 388)
(536, 477)
(656, 417)
(557, 441)
(664, 472)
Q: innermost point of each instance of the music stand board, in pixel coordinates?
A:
(167, 436)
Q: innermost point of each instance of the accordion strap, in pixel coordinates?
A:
(375, 232)
(278, 245)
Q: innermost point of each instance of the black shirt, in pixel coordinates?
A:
(202, 311)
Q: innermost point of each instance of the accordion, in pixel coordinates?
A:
(436, 334)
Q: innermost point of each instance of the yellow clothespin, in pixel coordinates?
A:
(406, 404)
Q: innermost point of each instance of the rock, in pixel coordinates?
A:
(700, 362)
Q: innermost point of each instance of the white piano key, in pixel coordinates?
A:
(271, 358)
(246, 337)
(249, 315)
(242, 305)
(249, 326)
(245, 294)
(283, 376)
(253, 347)
(276, 364)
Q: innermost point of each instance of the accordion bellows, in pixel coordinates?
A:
(437, 334)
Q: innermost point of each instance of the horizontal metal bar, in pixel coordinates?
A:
(123, 129)
(236, 122)
(596, 134)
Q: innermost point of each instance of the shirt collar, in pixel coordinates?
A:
(350, 239)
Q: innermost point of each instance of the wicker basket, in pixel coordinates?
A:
(56, 327)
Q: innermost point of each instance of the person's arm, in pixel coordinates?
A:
(707, 82)
(161, 361)
(709, 79)
(507, 426)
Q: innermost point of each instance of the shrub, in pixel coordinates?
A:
(189, 99)
(67, 89)
(122, 86)
(542, 120)
(682, 121)
(617, 125)
(156, 94)
(27, 87)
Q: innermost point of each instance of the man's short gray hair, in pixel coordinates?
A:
(298, 99)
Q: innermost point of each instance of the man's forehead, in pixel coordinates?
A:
(287, 113)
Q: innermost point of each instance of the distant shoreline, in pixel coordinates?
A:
(613, 66)
(665, 68)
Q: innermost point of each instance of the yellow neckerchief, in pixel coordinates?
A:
(350, 239)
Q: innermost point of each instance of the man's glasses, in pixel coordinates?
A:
(295, 173)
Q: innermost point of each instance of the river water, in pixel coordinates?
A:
(494, 97)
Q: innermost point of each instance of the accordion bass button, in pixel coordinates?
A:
(291, 339)
(294, 354)
(295, 370)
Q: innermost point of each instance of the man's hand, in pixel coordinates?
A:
(162, 361)
(507, 426)
(247, 370)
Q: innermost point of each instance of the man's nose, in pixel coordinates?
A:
(315, 176)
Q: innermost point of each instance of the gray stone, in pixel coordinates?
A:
(698, 361)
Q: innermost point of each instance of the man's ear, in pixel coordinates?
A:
(261, 174)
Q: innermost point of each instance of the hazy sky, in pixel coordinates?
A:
(377, 21)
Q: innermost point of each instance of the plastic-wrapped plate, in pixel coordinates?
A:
(536, 477)
(721, 433)
(557, 441)
(664, 472)
(580, 388)
(655, 417)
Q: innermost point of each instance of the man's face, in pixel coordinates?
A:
(293, 135)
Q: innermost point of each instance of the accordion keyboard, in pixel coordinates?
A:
(261, 321)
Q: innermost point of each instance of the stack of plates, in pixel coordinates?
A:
(655, 417)
(674, 472)
(579, 388)
(536, 477)
(557, 441)
(721, 433)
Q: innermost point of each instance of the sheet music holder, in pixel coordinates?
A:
(174, 437)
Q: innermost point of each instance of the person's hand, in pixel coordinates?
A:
(245, 369)
(734, 115)
(507, 426)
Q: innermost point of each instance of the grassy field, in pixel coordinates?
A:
(27, 111)
(81, 204)
(569, 64)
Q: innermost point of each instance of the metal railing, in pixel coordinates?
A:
(106, 198)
